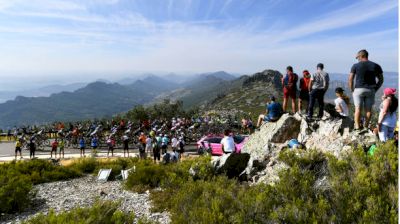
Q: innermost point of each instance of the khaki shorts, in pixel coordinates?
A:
(364, 98)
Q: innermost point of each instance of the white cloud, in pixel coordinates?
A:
(128, 41)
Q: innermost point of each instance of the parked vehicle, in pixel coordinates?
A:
(212, 144)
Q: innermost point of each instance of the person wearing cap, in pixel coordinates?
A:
(304, 93)
(387, 115)
(342, 102)
(366, 77)
(164, 143)
(319, 84)
(273, 112)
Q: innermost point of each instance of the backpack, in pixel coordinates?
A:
(290, 80)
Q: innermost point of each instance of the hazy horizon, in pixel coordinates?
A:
(98, 39)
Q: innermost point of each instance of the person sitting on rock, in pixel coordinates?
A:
(342, 102)
(387, 116)
(228, 145)
(273, 112)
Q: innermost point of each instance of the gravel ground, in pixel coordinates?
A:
(83, 192)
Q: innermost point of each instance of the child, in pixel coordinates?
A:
(18, 146)
(61, 145)
(54, 146)
(342, 102)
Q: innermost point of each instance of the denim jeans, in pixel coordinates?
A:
(316, 95)
(386, 133)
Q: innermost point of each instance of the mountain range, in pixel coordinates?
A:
(208, 91)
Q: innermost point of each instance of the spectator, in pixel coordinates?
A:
(387, 116)
(289, 88)
(82, 146)
(61, 146)
(164, 143)
(125, 140)
(18, 145)
(365, 73)
(54, 147)
(228, 145)
(174, 143)
(142, 141)
(273, 112)
(149, 146)
(304, 92)
(156, 148)
(319, 84)
(342, 102)
(181, 144)
(95, 142)
(32, 148)
(111, 145)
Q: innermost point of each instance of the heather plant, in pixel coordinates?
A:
(100, 212)
(316, 188)
(17, 178)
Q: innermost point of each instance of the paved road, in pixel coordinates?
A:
(7, 152)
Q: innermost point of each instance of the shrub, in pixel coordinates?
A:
(316, 188)
(14, 193)
(101, 212)
(17, 178)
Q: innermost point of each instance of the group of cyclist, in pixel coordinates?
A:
(149, 136)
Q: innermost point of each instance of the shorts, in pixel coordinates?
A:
(54, 149)
(364, 98)
(268, 118)
(289, 93)
(17, 149)
(304, 95)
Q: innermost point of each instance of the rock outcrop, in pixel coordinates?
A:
(331, 134)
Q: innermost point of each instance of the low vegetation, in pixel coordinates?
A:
(100, 212)
(17, 178)
(316, 188)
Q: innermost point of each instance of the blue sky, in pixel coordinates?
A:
(114, 37)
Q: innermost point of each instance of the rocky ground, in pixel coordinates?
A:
(82, 192)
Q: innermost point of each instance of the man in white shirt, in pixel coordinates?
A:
(174, 143)
(228, 145)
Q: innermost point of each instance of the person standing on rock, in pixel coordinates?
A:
(289, 88)
(273, 112)
(228, 145)
(319, 84)
(304, 92)
(387, 116)
(365, 73)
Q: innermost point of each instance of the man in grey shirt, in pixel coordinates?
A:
(319, 84)
(365, 73)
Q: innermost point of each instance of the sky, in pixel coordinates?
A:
(81, 39)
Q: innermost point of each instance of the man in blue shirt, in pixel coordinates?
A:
(273, 112)
(366, 74)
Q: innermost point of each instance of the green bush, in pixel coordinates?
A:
(17, 178)
(149, 175)
(101, 212)
(316, 188)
